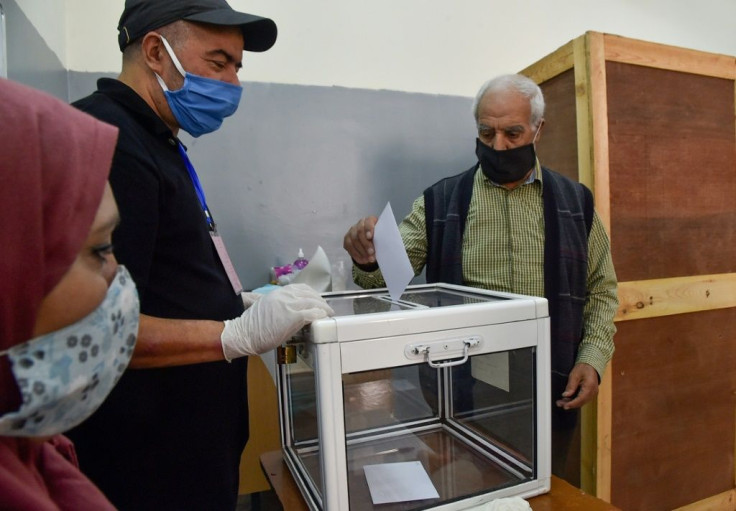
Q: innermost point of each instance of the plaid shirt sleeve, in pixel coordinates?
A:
(414, 235)
(597, 346)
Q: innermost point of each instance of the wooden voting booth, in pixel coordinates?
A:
(650, 129)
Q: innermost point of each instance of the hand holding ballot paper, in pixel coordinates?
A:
(375, 243)
(391, 254)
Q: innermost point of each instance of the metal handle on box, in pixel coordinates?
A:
(467, 343)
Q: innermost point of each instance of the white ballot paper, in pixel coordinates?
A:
(399, 482)
(391, 254)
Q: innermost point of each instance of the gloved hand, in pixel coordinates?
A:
(249, 298)
(272, 319)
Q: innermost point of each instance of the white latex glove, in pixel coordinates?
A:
(272, 319)
(249, 298)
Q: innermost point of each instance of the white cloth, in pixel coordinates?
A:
(505, 504)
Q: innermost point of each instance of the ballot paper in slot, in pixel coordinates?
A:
(391, 254)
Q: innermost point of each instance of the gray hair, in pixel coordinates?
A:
(518, 83)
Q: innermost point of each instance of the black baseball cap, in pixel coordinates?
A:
(141, 16)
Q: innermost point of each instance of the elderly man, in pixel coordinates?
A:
(172, 433)
(511, 225)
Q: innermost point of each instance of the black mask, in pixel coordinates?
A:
(507, 166)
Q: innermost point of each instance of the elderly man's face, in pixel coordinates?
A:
(503, 120)
(213, 52)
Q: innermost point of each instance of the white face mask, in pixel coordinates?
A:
(64, 376)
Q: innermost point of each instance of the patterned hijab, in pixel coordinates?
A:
(54, 163)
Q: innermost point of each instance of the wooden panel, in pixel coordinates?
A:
(553, 64)
(664, 297)
(557, 145)
(643, 53)
(672, 173)
(597, 177)
(725, 501)
(598, 122)
(674, 401)
(583, 111)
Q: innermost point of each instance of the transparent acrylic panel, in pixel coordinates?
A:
(445, 298)
(403, 414)
(497, 400)
(386, 398)
(363, 304)
(301, 400)
(350, 304)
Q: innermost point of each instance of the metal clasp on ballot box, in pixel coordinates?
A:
(448, 350)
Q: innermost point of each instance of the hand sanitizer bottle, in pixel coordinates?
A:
(300, 261)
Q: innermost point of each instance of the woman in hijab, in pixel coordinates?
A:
(68, 313)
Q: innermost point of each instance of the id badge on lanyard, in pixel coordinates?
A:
(227, 263)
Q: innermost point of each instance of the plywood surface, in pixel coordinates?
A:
(674, 401)
(672, 173)
(557, 147)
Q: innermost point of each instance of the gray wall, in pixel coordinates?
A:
(297, 165)
(30, 60)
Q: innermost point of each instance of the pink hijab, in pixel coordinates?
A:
(54, 163)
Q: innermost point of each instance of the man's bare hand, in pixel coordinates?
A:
(582, 386)
(358, 241)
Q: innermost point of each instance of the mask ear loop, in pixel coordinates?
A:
(534, 140)
(175, 60)
(534, 144)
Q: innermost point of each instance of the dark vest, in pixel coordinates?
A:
(568, 217)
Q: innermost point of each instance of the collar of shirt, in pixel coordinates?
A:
(123, 94)
(536, 174)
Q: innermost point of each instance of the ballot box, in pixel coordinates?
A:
(439, 399)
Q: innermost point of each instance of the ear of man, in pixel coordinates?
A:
(540, 130)
(153, 53)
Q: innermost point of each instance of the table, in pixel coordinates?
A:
(562, 495)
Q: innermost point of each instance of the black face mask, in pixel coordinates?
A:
(507, 166)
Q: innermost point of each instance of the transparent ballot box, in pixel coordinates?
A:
(438, 400)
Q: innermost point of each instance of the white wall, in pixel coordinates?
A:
(50, 19)
(431, 46)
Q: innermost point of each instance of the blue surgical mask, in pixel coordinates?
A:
(202, 103)
(64, 376)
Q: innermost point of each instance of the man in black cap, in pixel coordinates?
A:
(171, 434)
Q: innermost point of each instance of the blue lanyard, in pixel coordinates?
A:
(197, 187)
